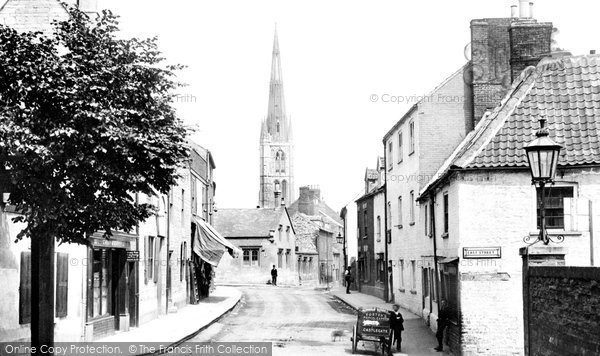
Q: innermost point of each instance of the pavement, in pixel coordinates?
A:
(188, 321)
(417, 338)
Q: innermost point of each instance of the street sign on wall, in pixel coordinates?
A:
(482, 252)
(133, 256)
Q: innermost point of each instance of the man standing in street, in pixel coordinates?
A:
(348, 279)
(397, 324)
(274, 276)
(442, 322)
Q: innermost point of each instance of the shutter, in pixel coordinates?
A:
(25, 289)
(62, 279)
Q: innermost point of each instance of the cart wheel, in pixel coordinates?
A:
(390, 343)
(354, 339)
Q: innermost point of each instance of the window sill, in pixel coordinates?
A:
(411, 223)
(411, 153)
(412, 291)
(555, 232)
(401, 290)
(445, 235)
(399, 226)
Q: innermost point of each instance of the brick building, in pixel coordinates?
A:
(429, 132)
(484, 208)
(326, 226)
(371, 262)
(415, 148)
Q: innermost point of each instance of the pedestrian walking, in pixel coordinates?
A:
(348, 279)
(274, 276)
(397, 324)
(442, 323)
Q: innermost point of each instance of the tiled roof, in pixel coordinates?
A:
(565, 91)
(322, 208)
(306, 233)
(247, 222)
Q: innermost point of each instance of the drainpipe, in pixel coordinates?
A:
(169, 277)
(435, 263)
(591, 219)
(386, 291)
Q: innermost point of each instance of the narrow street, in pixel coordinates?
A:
(298, 321)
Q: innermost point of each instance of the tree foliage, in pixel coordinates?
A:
(86, 121)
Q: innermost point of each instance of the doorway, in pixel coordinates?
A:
(133, 291)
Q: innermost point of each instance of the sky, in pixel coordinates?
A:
(337, 56)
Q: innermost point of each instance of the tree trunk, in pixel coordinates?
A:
(42, 290)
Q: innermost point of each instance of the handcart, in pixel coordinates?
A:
(373, 325)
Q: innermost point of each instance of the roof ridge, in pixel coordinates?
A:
(520, 89)
(480, 129)
(429, 94)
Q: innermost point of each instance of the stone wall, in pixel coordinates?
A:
(564, 318)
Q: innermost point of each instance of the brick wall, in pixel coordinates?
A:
(501, 49)
(564, 317)
(529, 43)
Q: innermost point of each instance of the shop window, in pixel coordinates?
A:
(25, 289)
(62, 283)
(101, 283)
(555, 206)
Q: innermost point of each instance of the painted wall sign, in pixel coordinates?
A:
(482, 252)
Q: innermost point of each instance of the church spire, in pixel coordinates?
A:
(277, 122)
(276, 146)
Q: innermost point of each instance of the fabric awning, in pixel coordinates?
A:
(210, 245)
(448, 260)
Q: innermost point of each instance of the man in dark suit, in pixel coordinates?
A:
(274, 276)
(397, 324)
(442, 323)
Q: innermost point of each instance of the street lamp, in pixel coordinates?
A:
(542, 155)
(340, 238)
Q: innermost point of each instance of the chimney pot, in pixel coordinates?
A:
(523, 8)
(514, 12)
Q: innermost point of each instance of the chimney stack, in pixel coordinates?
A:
(593, 51)
(531, 9)
(514, 12)
(524, 8)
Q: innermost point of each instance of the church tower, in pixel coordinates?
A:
(276, 147)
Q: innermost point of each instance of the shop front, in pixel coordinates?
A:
(112, 290)
(208, 247)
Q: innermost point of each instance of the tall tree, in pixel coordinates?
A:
(86, 121)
